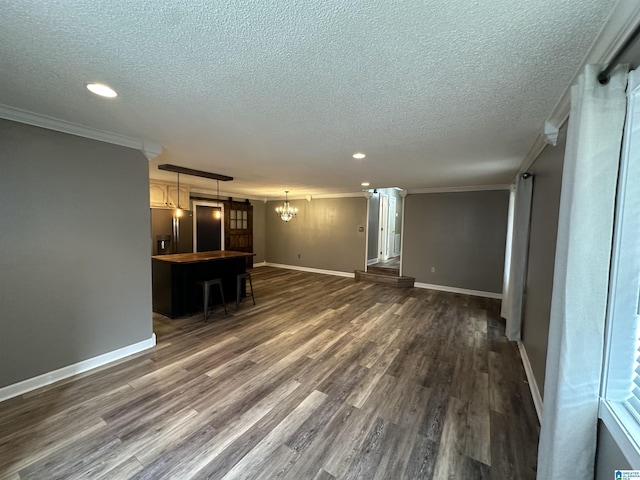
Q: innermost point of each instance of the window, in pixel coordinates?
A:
(238, 220)
(620, 405)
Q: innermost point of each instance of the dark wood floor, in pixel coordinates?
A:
(393, 262)
(324, 378)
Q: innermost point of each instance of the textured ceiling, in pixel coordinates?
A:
(279, 94)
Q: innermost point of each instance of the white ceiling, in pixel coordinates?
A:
(279, 94)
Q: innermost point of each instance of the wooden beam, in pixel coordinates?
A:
(196, 173)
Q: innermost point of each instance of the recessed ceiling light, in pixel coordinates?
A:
(102, 90)
(359, 155)
(365, 184)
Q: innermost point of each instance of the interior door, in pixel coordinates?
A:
(391, 228)
(208, 229)
(383, 237)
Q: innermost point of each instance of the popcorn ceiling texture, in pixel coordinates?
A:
(281, 93)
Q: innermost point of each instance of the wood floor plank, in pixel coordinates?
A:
(126, 469)
(452, 444)
(478, 440)
(251, 463)
(324, 378)
(323, 475)
(365, 462)
(275, 466)
(365, 387)
(236, 450)
(198, 450)
(314, 442)
(348, 442)
(422, 461)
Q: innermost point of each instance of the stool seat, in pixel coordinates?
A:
(206, 287)
(239, 278)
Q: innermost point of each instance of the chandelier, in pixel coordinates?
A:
(286, 212)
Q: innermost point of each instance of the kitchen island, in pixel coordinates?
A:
(174, 289)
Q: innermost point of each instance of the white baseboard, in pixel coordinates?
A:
(45, 379)
(464, 291)
(312, 270)
(260, 264)
(533, 385)
(372, 261)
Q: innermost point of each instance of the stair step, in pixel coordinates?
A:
(395, 272)
(395, 281)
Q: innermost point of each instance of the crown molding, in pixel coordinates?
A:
(622, 21)
(223, 194)
(474, 188)
(319, 196)
(550, 133)
(531, 156)
(150, 149)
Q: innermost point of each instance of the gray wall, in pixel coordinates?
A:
(325, 234)
(76, 277)
(608, 456)
(259, 231)
(542, 250)
(461, 234)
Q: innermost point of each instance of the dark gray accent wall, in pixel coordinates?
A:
(461, 235)
(328, 234)
(545, 207)
(74, 243)
(259, 233)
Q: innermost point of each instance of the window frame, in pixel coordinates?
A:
(621, 330)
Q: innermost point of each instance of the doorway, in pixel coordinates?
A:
(383, 238)
(208, 226)
(384, 229)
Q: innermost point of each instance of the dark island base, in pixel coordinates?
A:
(175, 292)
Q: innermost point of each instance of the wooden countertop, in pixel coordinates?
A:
(201, 256)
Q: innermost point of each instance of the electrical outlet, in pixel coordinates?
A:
(433, 269)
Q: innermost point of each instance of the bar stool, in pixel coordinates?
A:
(206, 286)
(239, 279)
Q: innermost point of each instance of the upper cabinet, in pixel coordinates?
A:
(165, 195)
(172, 196)
(157, 195)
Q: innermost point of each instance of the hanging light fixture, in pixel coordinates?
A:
(217, 214)
(286, 212)
(178, 210)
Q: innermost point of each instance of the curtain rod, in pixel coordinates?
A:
(603, 76)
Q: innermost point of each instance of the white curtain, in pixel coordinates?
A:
(507, 253)
(513, 301)
(581, 274)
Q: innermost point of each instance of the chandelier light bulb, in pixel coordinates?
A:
(286, 212)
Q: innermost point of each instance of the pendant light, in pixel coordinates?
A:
(218, 213)
(178, 210)
(286, 212)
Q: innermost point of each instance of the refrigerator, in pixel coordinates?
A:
(170, 234)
